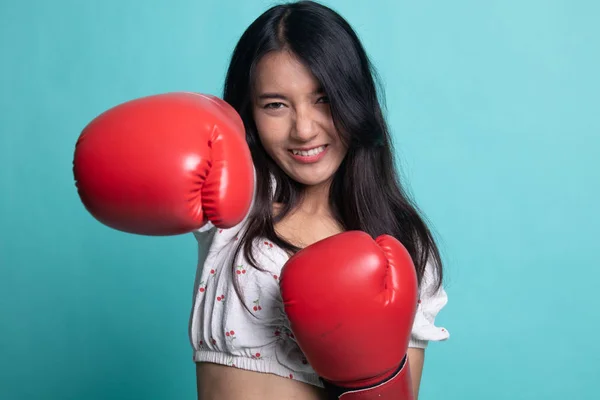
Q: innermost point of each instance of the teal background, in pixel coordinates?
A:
(494, 109)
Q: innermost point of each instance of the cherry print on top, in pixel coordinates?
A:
(252, 332)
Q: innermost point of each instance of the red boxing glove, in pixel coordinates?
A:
(351, 302)
(165, 165)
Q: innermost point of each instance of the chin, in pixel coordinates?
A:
(312, 181)
(309, 175)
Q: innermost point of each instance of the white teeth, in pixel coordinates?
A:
(311, 152)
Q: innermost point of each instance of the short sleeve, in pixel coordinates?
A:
(429, 305)
(211, 239)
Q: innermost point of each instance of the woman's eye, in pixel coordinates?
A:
(274, 106)
(323, 99)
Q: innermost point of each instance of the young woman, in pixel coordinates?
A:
(306, 237)
(304, 88)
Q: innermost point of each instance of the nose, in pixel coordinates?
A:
(305, 126)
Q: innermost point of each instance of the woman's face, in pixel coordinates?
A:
(294, 120)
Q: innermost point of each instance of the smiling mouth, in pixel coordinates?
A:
(307, 153)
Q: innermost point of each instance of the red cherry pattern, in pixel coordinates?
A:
(230, 335)
(257, 306)
(240, 270)
(204, 284)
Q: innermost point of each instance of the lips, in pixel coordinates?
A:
(308, 152)
(309, 155)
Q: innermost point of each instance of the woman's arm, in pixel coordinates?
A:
(416, 358)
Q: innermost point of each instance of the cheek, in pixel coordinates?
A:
(341, 148)
(272, 131)
(326, 122)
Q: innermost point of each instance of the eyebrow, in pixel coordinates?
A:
(276, 96)
(267, 96)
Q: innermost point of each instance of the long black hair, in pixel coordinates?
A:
(366, 193)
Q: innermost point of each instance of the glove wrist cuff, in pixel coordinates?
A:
(398, 386)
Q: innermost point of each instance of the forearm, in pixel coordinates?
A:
(416, 358)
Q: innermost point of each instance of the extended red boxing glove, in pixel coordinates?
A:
(351, 302)
(165, 165)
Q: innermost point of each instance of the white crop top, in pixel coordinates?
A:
(223, 331)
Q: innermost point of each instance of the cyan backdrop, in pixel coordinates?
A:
(494, 109)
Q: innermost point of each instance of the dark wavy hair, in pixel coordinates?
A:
(366, 193)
